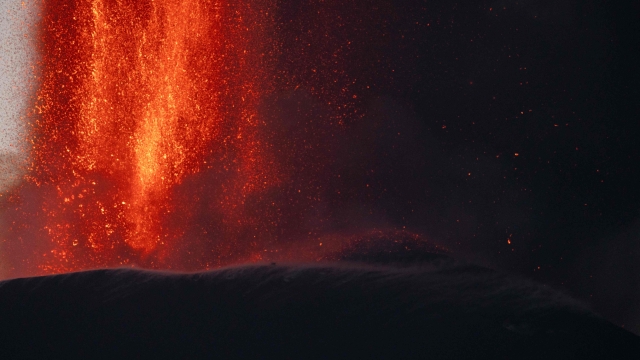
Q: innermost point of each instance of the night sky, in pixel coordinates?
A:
(505, 131)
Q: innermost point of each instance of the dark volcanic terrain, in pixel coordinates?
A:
(436, 309)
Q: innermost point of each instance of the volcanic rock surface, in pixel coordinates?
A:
(437, 309)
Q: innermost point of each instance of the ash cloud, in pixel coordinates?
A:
(11, 170)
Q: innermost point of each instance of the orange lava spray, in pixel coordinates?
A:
(185, 135)
(135, 96)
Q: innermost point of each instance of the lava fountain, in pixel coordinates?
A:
(187, 135)
(135, 96)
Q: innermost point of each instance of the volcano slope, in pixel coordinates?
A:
(375, 307)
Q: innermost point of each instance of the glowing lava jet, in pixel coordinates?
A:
(135, 96)
(185, 135)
